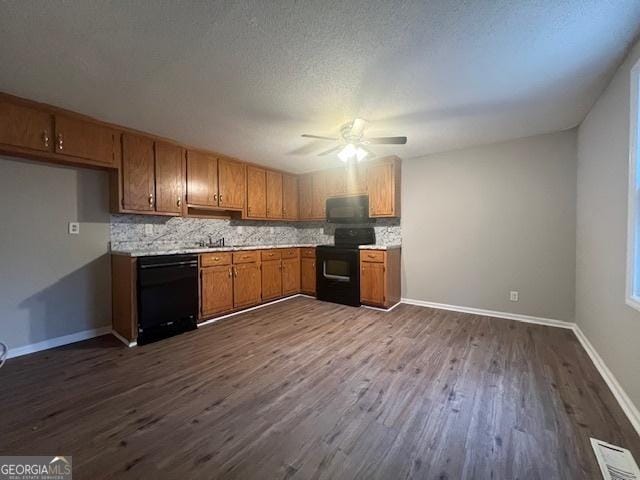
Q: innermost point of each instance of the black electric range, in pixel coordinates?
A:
(338, 265)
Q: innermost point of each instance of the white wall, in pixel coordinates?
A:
(479, 222)
(52, 283)
(603, 154)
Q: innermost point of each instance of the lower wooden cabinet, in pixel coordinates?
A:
(247, 285)
(290, 276)
(308, 275)
(380, 277)
(216, 287)
(271, 279)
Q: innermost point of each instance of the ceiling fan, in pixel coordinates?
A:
(353, 143)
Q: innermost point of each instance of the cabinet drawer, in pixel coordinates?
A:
(213, 259)
(289, 252)
(308, 252)
(376, 256)
(246, 256)
(270, 254)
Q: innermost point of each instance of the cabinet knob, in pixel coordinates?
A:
(179, 202)
(60, 142)
(229, 272)
(215, 197)
(220, 197)
(45, 138)
(151, 199)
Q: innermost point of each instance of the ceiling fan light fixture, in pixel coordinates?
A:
(361, 154)
(347, 153)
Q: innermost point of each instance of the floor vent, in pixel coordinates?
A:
(615, 463)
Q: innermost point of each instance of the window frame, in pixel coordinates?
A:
(633, 195)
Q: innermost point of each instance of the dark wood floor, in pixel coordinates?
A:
(310, 390)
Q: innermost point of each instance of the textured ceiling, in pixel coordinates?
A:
(246, 78)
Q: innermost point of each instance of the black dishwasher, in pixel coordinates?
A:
(167, 296)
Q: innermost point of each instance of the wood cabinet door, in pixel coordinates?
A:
(381, 188)
(290, 197)
(319, 195)
(247, 285)
(271, 279)
(256, 192)
(356, 176)
(216, 289)
(202, 179)
(274, 194)
(336, 182)
(290, 276)
(372, 283)
(137, 173)
(231, 184)
(308, 275)
(85, 139)
(169, 178)
(25, 127)
(305, 197)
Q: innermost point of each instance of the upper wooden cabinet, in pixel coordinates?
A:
(319, 195)
(138, 189)
(25, 127)
(356, 179)
(305, 196)
(289, 197)
(83, 139)
(383, 186)
(231, 184)
(202, 179)
(274, 195)
(169, 176)
(336, 182)
(256, 193)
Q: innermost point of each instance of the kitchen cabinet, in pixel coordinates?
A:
(319, 195)
(380, 277)
(274, 194)
(216, 290)
(305, 196)
(291, 275)
(25, 127)
(308, 271)
(169, 177)
(356, 179)
(247, 284)
(256, 193)
(336, 182)
(289, 197)
(87, 140)
(271, 279)
(383, 186)
(137, 173)
(231, 184)
(202, 179)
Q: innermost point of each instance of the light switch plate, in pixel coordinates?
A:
(74, 228)
(514, 296)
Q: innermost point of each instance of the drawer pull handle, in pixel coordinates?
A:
(60, 142)
(216, 258)
(45, 138)
(371, 256)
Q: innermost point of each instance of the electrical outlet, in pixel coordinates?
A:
(74, 228)
(513, 296)
(148, 229)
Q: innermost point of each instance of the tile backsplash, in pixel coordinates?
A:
(132, 232)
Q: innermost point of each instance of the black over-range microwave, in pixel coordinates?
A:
(352, 209)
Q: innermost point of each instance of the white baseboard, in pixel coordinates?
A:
(382, 309)
(58, 341)
(628, 407)
(492, 313)
(621, 396)
(124, 340)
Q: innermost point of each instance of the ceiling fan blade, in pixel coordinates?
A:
(331, 150)
(387, 140)
(305, 135)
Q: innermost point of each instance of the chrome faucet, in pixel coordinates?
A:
(217, 243)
